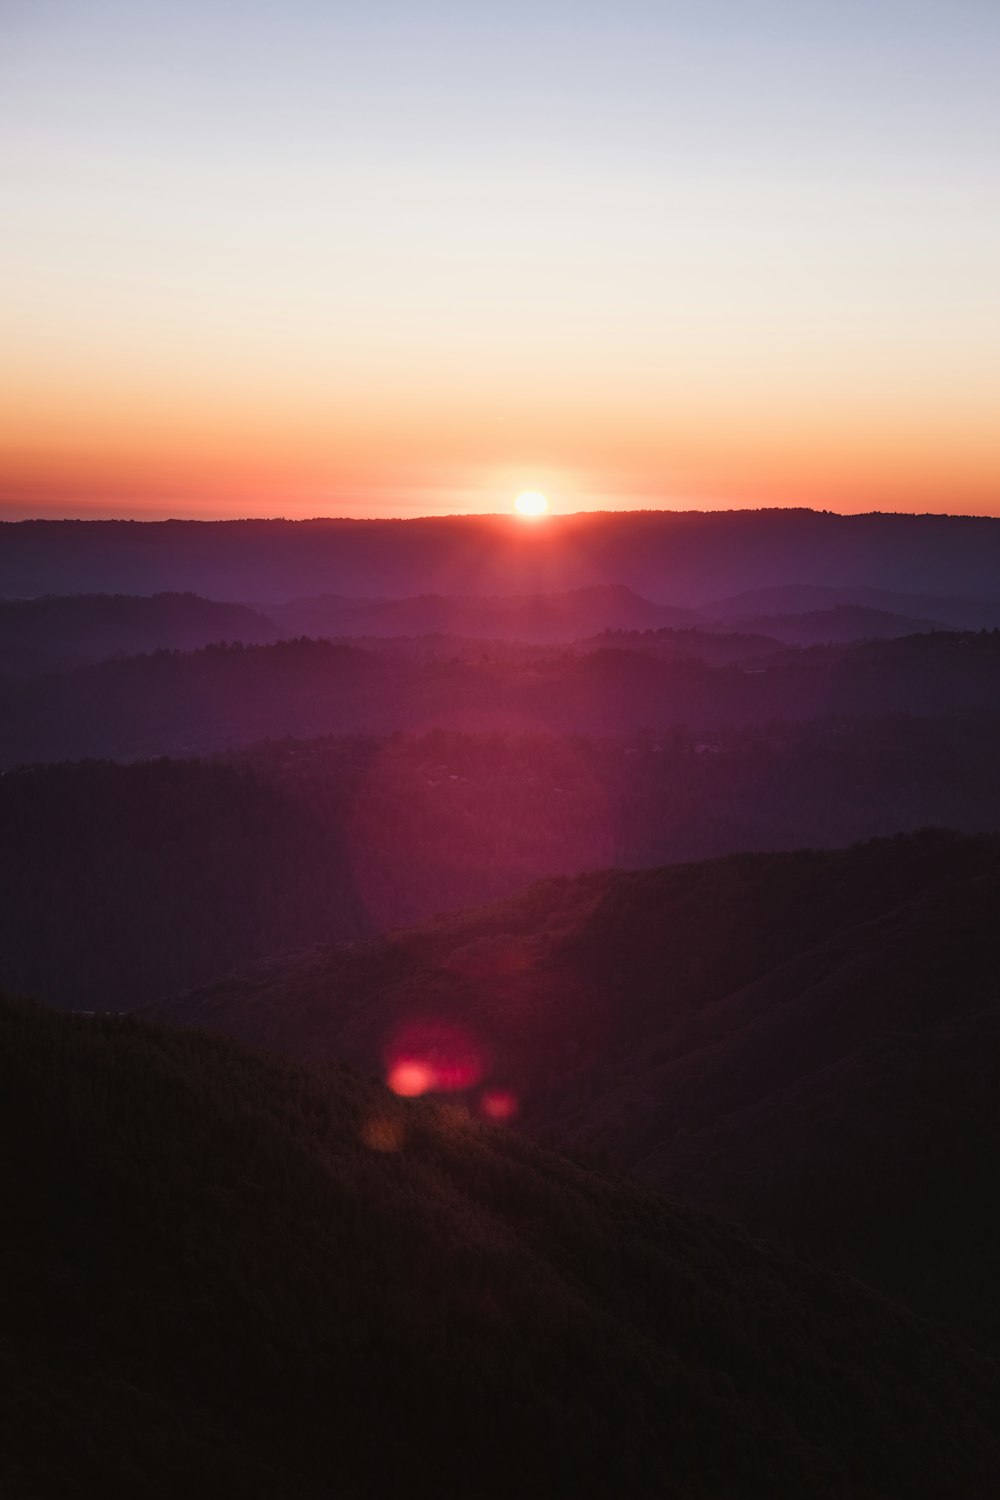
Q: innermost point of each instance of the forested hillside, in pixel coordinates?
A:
(708, 643)
(225, 697)
(226, 1275)
(804, 1041)
(123, 883)
(676, 557)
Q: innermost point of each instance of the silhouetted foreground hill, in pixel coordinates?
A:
(121, 883)
(806, 1041)
(226, 1276)
(227, 696)
(683, 558)
(52, 634)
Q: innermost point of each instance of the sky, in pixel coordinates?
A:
(414, 256)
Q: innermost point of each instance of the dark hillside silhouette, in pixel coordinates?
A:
(681, 558)
(225, 697)
(555, 825)
(225, 1275)
(804, 1041)
(120, 884)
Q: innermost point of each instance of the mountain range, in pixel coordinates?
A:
(225, 697)
(673, 557)
(519, 1008)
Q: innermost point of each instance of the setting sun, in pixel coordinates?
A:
(531, 504)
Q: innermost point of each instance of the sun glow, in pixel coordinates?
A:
(531, 504)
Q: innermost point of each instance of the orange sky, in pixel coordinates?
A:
(656, 262)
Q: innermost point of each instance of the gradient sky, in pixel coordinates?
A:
(406, 257)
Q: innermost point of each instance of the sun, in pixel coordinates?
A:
(531, 504)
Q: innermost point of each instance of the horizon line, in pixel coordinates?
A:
(505, 516)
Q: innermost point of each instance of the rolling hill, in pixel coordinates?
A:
(124, 883)
(805, 1041)
(224, 697)
(226, 1275)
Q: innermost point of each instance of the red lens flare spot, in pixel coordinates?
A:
(410, 1079)
(499, 1104)
(433, 1056)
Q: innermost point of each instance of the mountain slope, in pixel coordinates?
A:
(226, 1275)
(778, 1037)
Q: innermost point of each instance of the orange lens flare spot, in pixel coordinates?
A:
(427, 1055)
(499, 1104)
(409, 1079)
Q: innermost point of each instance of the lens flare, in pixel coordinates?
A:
(499, 1104)
(433, 1056)
(410, 1079)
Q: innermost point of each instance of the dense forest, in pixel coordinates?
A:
(124, 883)
(226, 1275)
(224, 697)
(717, 645)
(804, 1041)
